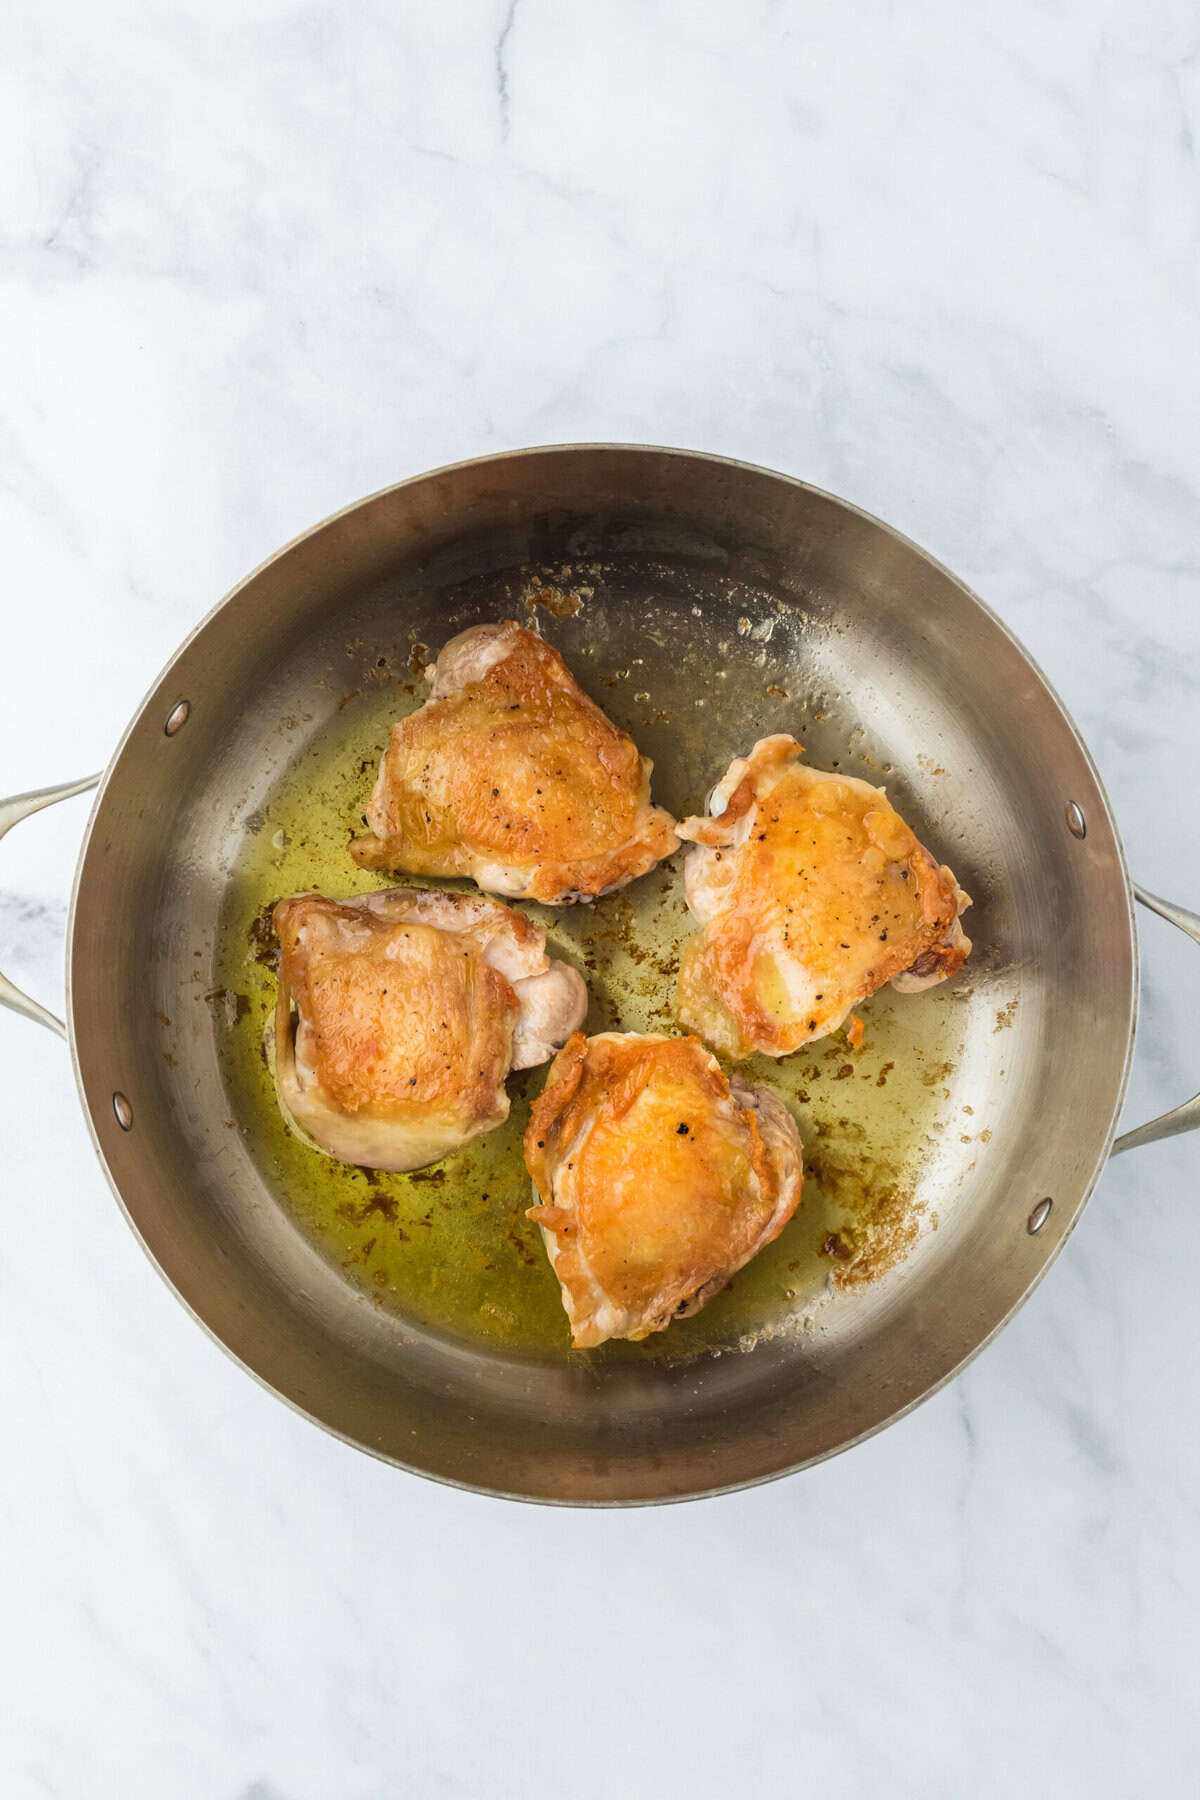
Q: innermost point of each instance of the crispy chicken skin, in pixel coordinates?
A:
(509, 774)
(812, 892)
(657, 1177)
(400, 1015)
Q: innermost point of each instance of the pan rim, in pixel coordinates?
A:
(1132, 1008)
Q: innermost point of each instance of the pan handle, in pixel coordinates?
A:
(1187, 1116)
(11, 813)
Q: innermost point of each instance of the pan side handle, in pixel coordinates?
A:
(11, 813)
(1187, 1116)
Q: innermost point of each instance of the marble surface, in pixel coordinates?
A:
(257, 260)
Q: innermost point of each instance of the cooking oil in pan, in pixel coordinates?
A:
(450, 1246)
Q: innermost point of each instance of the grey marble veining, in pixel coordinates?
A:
(258, 260)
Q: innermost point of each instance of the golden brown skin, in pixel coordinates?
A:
(813, 893)
(509, 774)
(657, 1179)
(400, 1015)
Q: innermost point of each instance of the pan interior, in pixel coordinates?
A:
(703, 604)
(450, 1247)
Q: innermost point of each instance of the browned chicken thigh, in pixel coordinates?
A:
(812, 893)
(509, 774)
(400, 1015)
(657, 1177)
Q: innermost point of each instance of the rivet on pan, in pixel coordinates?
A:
(1038, 1216)
(123, 1111)
(177, 718)
(1076, 823)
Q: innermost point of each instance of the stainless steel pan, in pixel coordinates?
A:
(704, 602)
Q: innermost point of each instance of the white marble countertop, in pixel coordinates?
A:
(257, 260)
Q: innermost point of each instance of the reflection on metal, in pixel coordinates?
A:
(1039, 1215)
